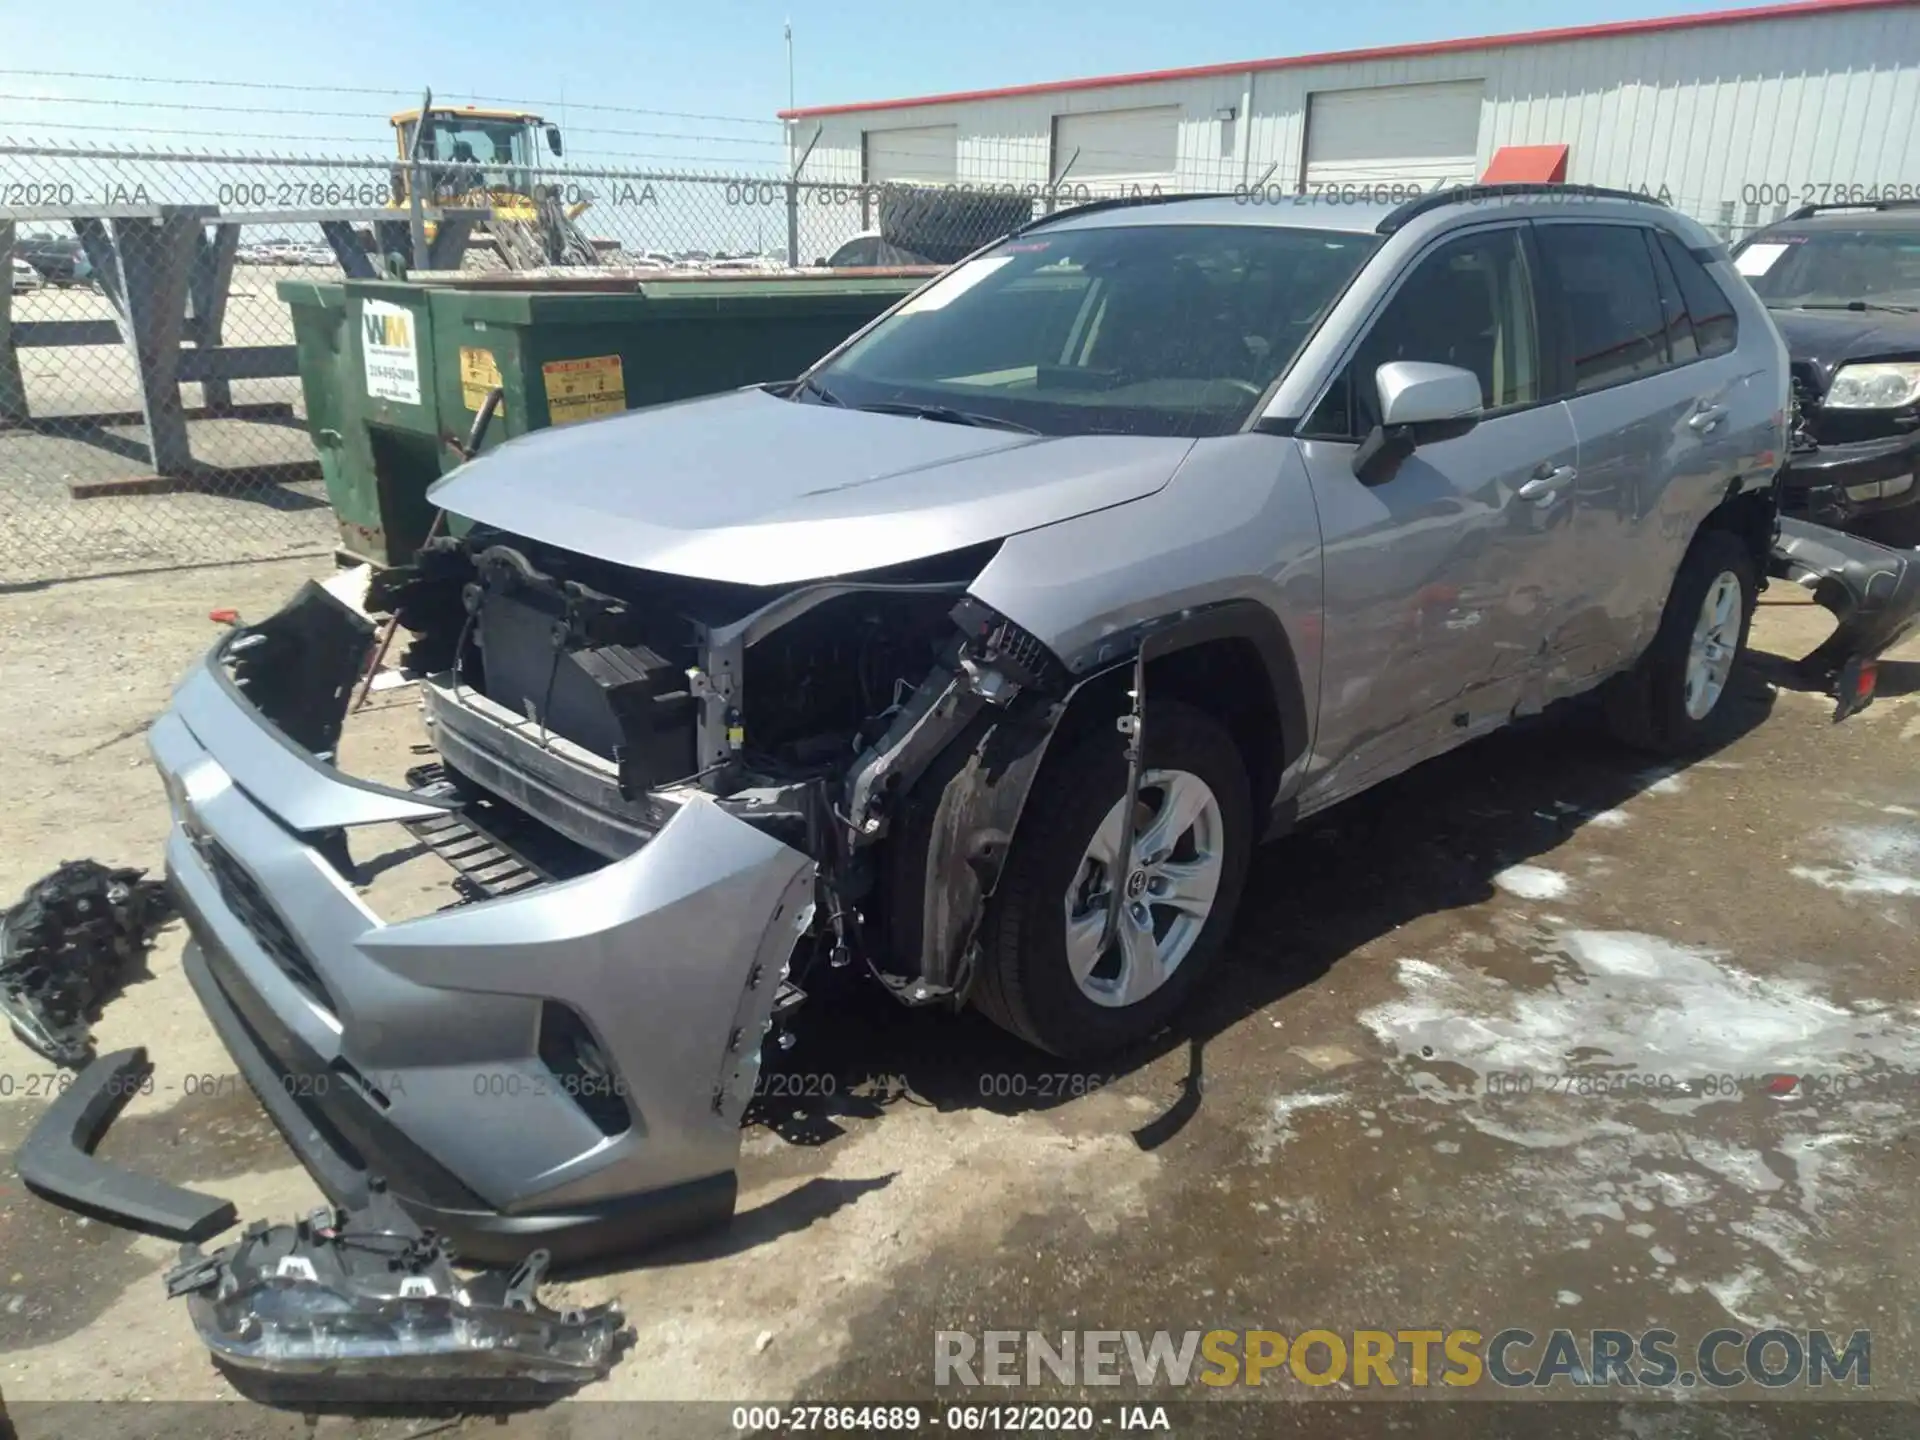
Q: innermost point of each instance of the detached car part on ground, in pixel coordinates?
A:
(986, 684)
(67, 945)
(363, 1305)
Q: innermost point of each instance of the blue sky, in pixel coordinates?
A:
(722, 60)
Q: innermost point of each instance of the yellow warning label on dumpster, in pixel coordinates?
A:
(479, 373)
(582, 389)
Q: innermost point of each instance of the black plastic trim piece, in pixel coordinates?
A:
(1807, 212)
(1253, 622)
(57, 1162)
(1397, 219)
(1112, 202)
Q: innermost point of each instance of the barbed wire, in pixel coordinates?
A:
(200, 106)
(366, 157)
(533, 105)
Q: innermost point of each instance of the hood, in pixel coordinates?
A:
(1828, 339)
(749, 488)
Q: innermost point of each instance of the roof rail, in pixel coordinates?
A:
(1115, 202)
(1807, 211)
(1472, 194)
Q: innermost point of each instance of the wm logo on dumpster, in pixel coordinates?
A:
(388, 330)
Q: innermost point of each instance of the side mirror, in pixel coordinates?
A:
(1420, 403)
(553, 138)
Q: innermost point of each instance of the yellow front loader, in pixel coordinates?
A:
(467, 156)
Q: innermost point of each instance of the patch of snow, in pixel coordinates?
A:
(1874, 860)
(1532, 882)
(1661, 780)
(1735, 1294)
(1815, 1166)
(1281, 1109)
(1746, 1168)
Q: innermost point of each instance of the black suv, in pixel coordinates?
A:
(1843, 285)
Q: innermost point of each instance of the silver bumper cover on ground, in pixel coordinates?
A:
(414, 1050)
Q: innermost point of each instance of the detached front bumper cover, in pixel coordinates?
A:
(369, 1303)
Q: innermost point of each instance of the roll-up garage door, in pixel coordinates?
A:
(922, 154)
(1118, 148)
(1424, 133)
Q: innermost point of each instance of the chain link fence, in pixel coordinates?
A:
(150, 408)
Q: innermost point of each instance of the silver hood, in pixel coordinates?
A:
(750, 488)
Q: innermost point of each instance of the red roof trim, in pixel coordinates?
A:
(1808, 8)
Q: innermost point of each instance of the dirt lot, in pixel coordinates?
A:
(1321, 1146)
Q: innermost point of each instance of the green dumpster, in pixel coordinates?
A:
(395, 371)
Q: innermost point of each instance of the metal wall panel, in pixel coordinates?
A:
(1733, 122)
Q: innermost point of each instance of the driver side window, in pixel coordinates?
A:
(1468, 303)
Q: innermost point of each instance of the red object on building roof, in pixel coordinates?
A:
(1546, 164)
(1805, 9)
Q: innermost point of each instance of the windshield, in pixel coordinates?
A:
(1132, 329)
(501, 147)
(1834, 268)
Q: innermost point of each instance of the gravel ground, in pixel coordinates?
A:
(45, 534)
(1322, 1144)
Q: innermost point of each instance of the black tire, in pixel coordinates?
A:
(943, 225)
(1647, 706)
(1025, 986)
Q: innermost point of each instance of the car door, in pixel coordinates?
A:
(1650, 414)
(1443, 580)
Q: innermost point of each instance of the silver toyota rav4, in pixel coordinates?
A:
(979, 657)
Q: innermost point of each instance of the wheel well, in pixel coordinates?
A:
(1224, 677)
(1227, 679)
(1750, 518)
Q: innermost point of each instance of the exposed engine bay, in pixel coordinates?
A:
(590, 696)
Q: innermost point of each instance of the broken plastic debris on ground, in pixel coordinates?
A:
(66, 948)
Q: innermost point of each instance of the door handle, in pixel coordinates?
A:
(1705, 418)
(1547, 482)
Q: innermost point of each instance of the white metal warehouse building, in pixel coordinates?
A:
(1734, 116)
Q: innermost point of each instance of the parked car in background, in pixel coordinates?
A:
(57, 259)
(862, 250)
(22, 276)
(1843, 285)
(980, 657)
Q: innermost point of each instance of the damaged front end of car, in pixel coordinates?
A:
(667, 799)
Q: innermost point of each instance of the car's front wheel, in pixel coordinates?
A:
(1053, 971)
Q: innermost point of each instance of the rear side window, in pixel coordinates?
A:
(1681, 347)
(1603, 281)
(1714, 328)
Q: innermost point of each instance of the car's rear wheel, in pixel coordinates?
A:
(1675, 699)
(1051, 972)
